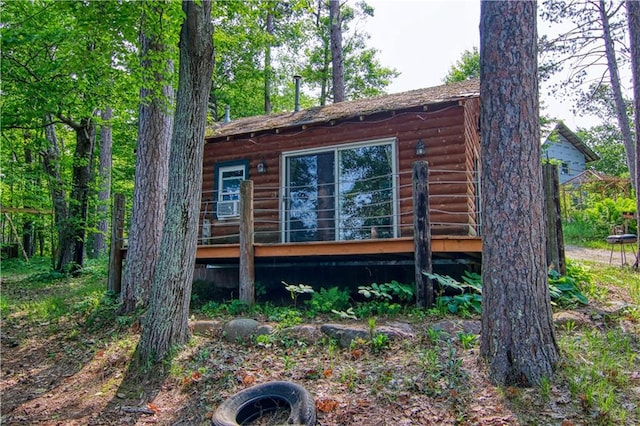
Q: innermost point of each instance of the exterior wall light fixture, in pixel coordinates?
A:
(262, 167)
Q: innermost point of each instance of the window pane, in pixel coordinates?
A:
(239, 174)
(310, 197)
(229, 185)
(366, 193)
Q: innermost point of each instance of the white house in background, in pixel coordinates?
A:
(561, 144)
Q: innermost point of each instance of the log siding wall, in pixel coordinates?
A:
(448, 130)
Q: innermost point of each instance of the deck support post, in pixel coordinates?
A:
(115, 247)
(422, 234)
(555, 240)
(247, 267)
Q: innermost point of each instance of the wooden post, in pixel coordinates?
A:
(422, 234)
(247, 268)
(555, 239)
(115, 248)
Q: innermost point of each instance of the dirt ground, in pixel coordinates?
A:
(619, 255)
(69, 373)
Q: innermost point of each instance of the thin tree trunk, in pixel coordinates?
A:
(28, 229)
(518, 338)
(336, 50)
(614, 76)
(324, 82)
(155, 125)
(104, 195)
(268, 69)
(166, 321)
(325, 74)
(633, 18)
(51, 164)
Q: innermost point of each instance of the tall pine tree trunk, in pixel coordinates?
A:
(518, 338)
(336, 51)
(165, 324)
(268, 68)
(155, 125)
(614, 77)
(104, 182)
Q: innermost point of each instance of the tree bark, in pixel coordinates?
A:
(336, 50)
(155, 125)
(80, 187)
(28, 229)
(165, 324)
(614, 76)
(104, 182)
(73, 230)
(518, 338)
(633, 19)
(268, 69)
(51, 164)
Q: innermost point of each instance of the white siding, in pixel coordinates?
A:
(562, 150)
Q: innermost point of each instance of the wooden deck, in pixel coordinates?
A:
(439, 245)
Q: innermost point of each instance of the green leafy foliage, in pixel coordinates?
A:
(389, 291)
(377, 307)
(348, 314)
(598, 217)
(297, 289)
(467, 67)
(325, 301)
(379, 342)
(287, 318)
(605, 140)
(468, 302)
(564, 290)
(364, 75)
(375, 290)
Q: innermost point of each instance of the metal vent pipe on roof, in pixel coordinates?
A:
(296, 106)
(227, 113)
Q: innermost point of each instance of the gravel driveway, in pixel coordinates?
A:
(601, 255)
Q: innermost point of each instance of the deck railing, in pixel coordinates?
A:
(376, 207)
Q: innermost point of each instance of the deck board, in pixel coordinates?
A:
(338, 248)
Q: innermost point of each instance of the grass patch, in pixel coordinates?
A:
(598, 369)
(596, 380)
(33, 291)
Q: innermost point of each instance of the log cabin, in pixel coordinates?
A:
(332, 189)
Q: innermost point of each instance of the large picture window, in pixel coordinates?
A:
(228, 178)
(340, 193)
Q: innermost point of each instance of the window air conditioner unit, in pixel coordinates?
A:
(227, 209)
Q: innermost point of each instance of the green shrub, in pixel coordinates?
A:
(377, 307)
(389, 291)
(564, 290)
(468, 302)
(287, 317)
(325, 301)
(599, 220)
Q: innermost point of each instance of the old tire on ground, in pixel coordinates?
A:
(251, 403)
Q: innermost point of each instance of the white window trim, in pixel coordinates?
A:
(336, 148)
(235, 204)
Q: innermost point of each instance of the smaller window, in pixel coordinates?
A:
(228, 181)
(565, 169)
